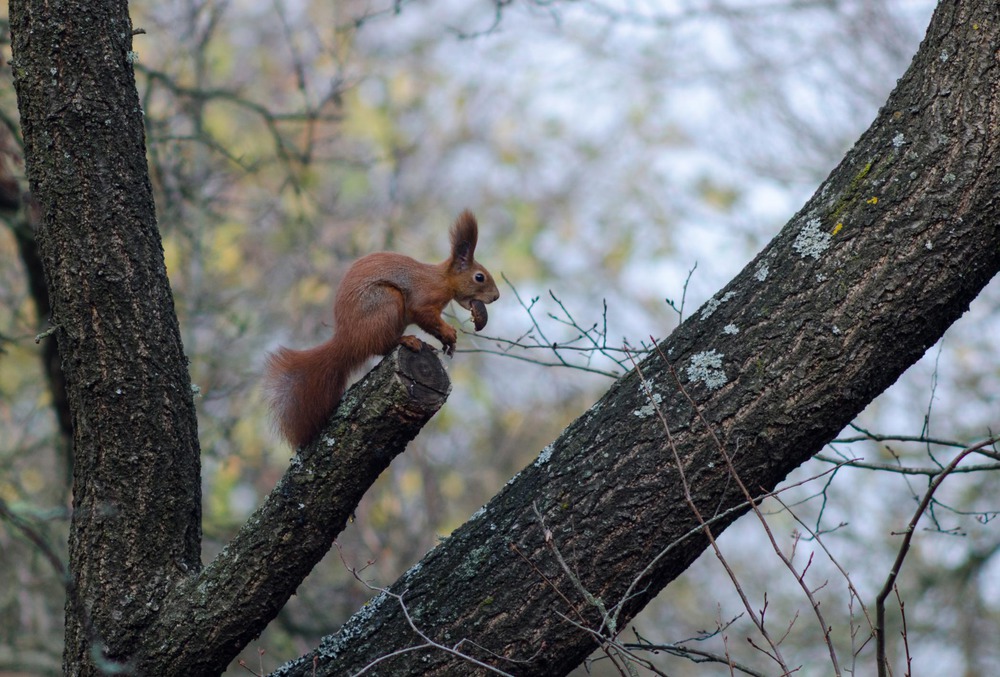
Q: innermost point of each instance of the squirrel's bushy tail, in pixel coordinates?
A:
(305, 386)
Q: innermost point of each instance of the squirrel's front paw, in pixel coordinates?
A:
(448, 339)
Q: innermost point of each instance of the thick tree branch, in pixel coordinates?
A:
(209, 617)
(884, 257)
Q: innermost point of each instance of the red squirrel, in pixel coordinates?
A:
(380, 296)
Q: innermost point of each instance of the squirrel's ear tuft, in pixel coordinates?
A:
(464, 235)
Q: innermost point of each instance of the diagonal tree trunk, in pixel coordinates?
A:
(884, 257)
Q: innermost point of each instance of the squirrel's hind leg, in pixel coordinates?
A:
(411, 342)
(377, 328)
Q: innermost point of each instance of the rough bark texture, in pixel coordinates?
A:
(884, 257)
(136, 525)
(210, 617)
(24, 224)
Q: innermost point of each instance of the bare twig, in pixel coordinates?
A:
(428, 643)
(867, 435)
(693, 654)
(904, 548)
(606, 641)
(906, 639)
(816, 538)
(904, 470)
(684, 292)
(589, 341)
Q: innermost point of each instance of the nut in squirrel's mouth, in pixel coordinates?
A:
(479, 315)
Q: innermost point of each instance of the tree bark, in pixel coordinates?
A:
(24, 224)
(138, 600)
(211, 616)
(883, 258)
(136, 526)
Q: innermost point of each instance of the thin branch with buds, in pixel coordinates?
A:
(904, 548)
(681, 650)
(589, 341)
(679, 308)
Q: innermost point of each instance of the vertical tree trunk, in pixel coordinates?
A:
(24, 234)
(136, 488)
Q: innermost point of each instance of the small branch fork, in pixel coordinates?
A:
(904, 548)
(589, 341)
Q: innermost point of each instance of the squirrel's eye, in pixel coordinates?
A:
(479, 277)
